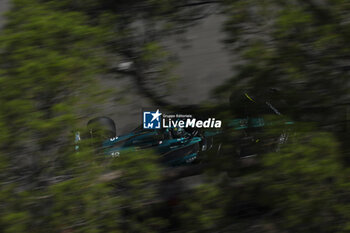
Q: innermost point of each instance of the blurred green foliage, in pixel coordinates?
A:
(51, 51)
(48, 61)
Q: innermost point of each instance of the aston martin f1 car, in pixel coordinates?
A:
(179, 146)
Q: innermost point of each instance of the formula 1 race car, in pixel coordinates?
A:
(176, 146)
(179, 146)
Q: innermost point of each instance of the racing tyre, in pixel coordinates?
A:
(102, 128)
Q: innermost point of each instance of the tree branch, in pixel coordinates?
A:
(198, 4)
